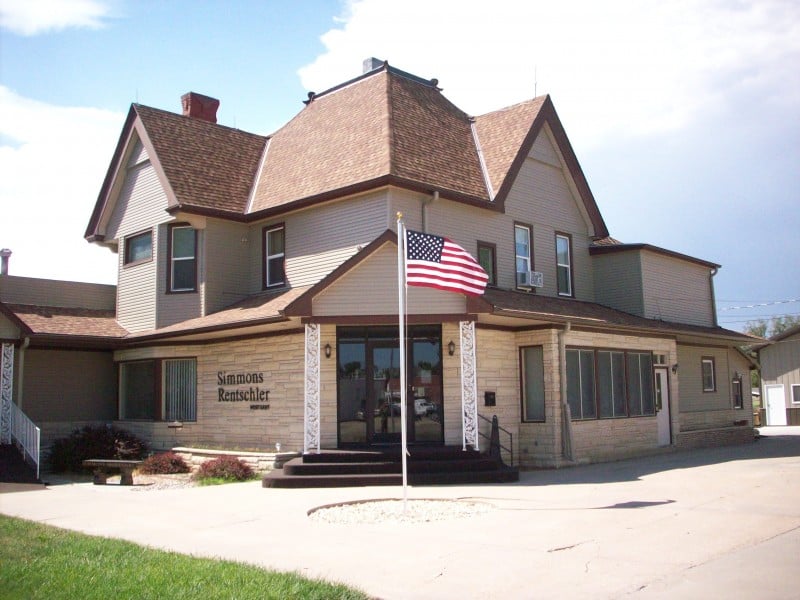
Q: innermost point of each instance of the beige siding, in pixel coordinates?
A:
(693, 398)
(618, 281)
(780, 363)
(141, 206)
(138, 154)
(371, 289)
(544, 151)
(319, 239)
(676, 290)
(49, 292)
(226, 250)
(8, 330)
(68, 385)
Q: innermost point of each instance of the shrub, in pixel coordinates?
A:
(164, 463)
(228, 468)
(94, 441)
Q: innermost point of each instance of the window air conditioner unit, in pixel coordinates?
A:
(530, 279)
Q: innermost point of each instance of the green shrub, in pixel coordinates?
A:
(228, 468)
(164, 463)
(94, 441)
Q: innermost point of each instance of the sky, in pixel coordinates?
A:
(684, 115)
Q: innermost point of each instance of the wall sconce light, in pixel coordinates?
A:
(737, 375)
(675, 368)
(327, 350)
(451, 348)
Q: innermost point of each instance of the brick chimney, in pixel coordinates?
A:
(200, 107)
(5, 253)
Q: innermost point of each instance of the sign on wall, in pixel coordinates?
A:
(242, 386)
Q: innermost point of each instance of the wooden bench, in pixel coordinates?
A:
(102, 466)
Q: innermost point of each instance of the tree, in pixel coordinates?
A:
(764, 328)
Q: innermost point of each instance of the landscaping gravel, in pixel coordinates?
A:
(391, 511)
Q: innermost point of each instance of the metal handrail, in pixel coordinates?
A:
(493, 422)
(27, 435)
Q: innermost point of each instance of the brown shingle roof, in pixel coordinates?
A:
(207, 165)
(549, 308)
(56, 320)
(502, 134)
(254, 310)
(383, 125)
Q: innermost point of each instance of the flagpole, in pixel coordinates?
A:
(401, 284)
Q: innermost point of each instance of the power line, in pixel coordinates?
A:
(759, 304)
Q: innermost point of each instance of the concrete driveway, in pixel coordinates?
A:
(723, 522)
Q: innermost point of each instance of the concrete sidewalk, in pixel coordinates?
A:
(708, 523)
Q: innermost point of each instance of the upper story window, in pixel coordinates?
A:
(182, 252)
(709, 376)
(487, 258)
(564, 264)
(274, 255)
(138, 248)
(522, 250)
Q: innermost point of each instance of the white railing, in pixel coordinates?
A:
(26, 434)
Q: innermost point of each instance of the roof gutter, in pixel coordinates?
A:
(566, 417)
(713, 272)
(425, 202)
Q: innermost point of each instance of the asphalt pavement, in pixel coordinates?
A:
(715, 523)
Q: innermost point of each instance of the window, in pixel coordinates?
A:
(736, 389)
(182, 252)
(796, 393)
(274, 256)
(180, 389)
(609, 384)
(532, 369)
(522, 249)
(137, 390)
(487, 260)
(158, 390)
(564, 264)
(709, 377)
(580, 384)
(640, 384)
(138, 248)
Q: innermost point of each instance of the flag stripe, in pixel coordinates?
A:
(434, 261)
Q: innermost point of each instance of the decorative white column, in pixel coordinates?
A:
(469, 386)
(6, 389)
(311, 400)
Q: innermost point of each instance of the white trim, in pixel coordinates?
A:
(791, 393)
(254, 187)
(311, 411)
(469, 393)
(482, 160)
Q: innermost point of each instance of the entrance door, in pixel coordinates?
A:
(383, 392)
(662, 407)
(369, 385)
(776, 405)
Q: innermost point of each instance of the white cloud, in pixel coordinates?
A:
(52, 163)
(626, 67)
(31, 17)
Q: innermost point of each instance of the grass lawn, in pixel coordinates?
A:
(39, 561)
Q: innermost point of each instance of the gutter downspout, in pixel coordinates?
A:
(713, 296)
(21, 369)
(566, 416)
(425, 203)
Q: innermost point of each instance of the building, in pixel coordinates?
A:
(780, 377)
(257, 295)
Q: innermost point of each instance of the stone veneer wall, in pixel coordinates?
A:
(234, 425)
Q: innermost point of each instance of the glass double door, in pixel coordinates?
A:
(369, 392)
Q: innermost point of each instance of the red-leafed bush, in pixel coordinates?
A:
(164, 463)
(228, 468)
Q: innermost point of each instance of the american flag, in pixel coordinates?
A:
(434, 261)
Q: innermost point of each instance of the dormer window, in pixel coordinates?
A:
(182, 251)
(274, 255)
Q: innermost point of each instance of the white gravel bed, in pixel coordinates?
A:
(391, 511)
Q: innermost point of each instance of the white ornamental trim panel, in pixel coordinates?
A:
(311, 424)
(469, 386)
(6, 389)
